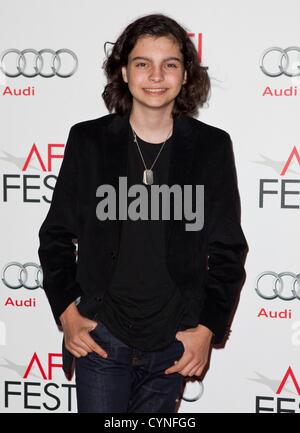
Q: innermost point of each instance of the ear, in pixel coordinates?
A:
(124, 74)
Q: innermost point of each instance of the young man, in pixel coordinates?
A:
(147, 297)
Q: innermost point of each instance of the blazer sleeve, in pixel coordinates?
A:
(57, 252)
(227, 247)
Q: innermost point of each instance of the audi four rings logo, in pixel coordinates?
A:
(292, 290)
(38, 63)
(22, 276)
(281, 66)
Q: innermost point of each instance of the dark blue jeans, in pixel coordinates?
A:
(129, 379)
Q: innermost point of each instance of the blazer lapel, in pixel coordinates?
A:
(116, 158)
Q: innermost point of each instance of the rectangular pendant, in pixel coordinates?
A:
(148, 177)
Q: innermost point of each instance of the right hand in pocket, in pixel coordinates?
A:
(76, 333)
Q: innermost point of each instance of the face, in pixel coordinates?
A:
(155, 63)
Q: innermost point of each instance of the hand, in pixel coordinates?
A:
(76, 332)
(196, 343)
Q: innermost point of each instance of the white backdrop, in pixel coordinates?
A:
(259, 367)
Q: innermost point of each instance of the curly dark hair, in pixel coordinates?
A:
(194, 93)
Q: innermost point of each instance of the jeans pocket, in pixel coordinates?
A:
(180, 344)
(99, 324)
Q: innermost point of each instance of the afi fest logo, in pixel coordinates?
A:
(41, 394)
(279, 403)
(27, 187)
(284, 191)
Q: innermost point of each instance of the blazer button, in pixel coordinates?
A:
(113, 256)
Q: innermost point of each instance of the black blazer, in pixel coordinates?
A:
(207, 265)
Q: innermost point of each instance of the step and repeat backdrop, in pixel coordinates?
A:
(51, 77)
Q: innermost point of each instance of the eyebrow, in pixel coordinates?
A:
(147, 58)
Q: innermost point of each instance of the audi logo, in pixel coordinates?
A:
(281, 67)
(279, 287)
(38, 62)
(22, 276)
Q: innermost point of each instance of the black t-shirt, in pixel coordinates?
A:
(143, 307)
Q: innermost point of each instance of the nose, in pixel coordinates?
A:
(156, 74)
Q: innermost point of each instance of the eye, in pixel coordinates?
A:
(172, 64)
(142, 63)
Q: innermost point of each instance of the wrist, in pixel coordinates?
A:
(69, 312)
(205, 330)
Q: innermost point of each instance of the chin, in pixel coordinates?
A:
(154, 102)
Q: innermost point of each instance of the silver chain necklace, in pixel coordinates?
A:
(148, 173)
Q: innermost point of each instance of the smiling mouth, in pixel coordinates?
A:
(155, 91)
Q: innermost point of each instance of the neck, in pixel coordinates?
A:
(153, 126)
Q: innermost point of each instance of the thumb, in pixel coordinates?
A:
(91, 325)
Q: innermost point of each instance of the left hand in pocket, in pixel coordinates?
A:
(196, 343)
